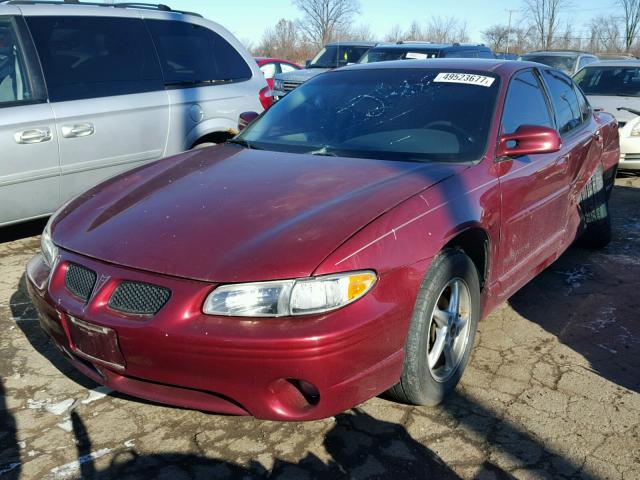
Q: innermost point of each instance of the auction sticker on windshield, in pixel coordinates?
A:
(467, 78)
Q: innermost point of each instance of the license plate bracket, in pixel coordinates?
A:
(95, 343)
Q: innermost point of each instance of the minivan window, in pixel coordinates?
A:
(333, 56)
(14, 84)
(525, 104)
(193, 55)
(89, 57)
(389, 54)
(564, 99)
(566, 63)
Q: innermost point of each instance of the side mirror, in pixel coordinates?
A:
(245, 119)
(307, 64)
(527, 140)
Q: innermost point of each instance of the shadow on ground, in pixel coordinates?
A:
(589, 299)
(22, 230)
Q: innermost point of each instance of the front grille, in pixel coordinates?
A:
(288, 86)
(632, 157)
(139, 298)
(80, 281)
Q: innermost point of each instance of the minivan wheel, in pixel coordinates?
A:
(442, 330)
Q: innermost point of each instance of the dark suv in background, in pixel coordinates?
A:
(424, 50)
(333, 55)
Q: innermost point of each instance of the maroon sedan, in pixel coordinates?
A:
(345, 244)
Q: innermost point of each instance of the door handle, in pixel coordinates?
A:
(34, 135)
(78, 130)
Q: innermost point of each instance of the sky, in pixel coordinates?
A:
(247, 19)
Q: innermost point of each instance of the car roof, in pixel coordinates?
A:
(352, 44)
(493, 65)
(614, 63)
(557, 53)
(31, 7)
(425, 46)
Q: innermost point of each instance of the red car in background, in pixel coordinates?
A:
(271, 66)
(345, 243)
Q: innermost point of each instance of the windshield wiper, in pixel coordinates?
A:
(323, 152)
(630, 110)
(243, 143)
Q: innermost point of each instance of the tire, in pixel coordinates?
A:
(421, 384)
(594, 210)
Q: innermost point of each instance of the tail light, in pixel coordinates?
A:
(266, 97)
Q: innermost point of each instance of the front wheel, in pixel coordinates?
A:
(442, 330)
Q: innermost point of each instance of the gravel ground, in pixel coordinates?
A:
(551, 392)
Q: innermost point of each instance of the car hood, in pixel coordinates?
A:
(227, 214)
(610, 104)
(301, 76)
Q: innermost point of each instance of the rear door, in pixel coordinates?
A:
(105, 87)
(534, 187)
(209, 83)
(582, 148)
(29, 168)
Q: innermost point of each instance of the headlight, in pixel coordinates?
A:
(635, 131)
(278, 85)
(289, 297)
(49, 250)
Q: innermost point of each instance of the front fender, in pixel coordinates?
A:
(206, 127)
(417, 229)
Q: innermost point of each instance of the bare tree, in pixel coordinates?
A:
(545, 15)
(631, 10)
(604, 34)
(283, 40)
(446, 30)
(496, 37)
(394, 35)
(324, 19)
(414, 32)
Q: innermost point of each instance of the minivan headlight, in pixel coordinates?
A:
(289, 297)
(49, 250)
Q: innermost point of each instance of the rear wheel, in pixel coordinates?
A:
(442, 330)
(594, 208)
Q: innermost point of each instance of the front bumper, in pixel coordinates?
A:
(224, 364)
(629, 152)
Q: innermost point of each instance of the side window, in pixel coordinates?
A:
(89, 57)
(286, 68)
(268, 69)
(525, 103)
(564, 99)
(585, 108)
(14, 82)
(191, 54)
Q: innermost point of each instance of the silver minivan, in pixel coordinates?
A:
(87, 91)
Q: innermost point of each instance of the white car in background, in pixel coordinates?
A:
(614, 86)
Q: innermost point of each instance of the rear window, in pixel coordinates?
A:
(193, 55)
(565, 63)
(391, 114)
(89, 57)
(609, 81)
(333, 56)
(385, 55)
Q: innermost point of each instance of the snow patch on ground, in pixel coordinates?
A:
(96, 394)
(66, 425)
(606, 317)
(60, 407)
(576, 276)
(70, 469)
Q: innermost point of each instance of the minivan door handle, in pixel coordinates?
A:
(78, 130)
(33, 135)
